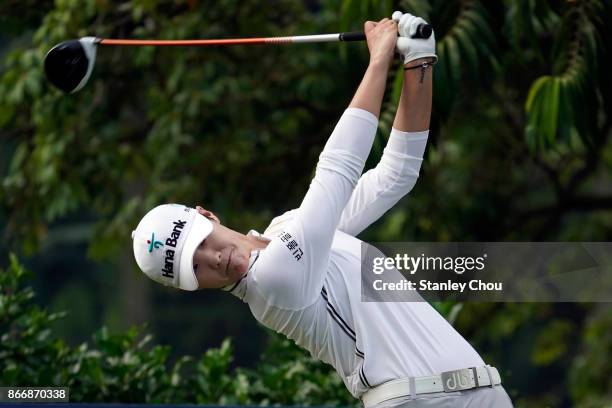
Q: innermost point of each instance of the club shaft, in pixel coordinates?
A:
(352, 36)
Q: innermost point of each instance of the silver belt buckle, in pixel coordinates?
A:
(458, 380)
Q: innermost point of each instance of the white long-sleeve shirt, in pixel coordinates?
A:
(306, 283)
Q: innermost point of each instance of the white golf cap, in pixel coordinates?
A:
(165, 241)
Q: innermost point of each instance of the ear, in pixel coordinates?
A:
(208, 214)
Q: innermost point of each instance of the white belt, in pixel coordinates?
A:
(449, 381)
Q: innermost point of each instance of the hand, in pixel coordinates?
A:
(381, 38)
(410, 48)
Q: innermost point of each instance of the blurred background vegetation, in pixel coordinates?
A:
(519, 151)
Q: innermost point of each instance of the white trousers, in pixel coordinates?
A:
(484, 397)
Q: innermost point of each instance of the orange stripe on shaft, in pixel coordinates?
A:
(178, 43)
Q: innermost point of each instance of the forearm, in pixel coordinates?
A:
(338, 170)
(379, 189)
(414, 110)
(371, 90)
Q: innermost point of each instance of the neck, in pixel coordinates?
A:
(251, 243)
(255, 244)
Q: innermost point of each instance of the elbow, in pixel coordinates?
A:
(399, 180)
(401, 187)
(340, 164)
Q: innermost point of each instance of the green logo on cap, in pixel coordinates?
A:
(153, 244)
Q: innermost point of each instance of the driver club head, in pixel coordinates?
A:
(69, 64)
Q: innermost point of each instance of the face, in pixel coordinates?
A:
(222, 258)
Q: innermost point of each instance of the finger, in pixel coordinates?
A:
(368, 25)
(383, 20)
(414, 25)
(404, 24)
(391, 25)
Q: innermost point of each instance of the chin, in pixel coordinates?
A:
(240, 266)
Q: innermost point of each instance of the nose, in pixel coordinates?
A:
(212, 257)
(209, 256)
(215, 259)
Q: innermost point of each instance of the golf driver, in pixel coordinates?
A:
(69, 64)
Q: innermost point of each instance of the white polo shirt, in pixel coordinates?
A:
(306, 283)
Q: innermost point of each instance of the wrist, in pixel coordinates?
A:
(419, 61)
(379, 64)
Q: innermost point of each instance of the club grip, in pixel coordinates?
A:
(353, 36)
(423, 31)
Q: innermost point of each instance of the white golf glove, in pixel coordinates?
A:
(413, 48)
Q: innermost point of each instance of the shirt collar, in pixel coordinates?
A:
(238, 289)
(258, 236)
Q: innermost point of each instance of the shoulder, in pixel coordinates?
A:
(279, 223)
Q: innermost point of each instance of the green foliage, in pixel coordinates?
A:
(519, 150)
(115, 368)
(288, 376)
(28, 352)
(590, 375)
(467, 49)
(125, 367)
(143, 130)
(555, 103)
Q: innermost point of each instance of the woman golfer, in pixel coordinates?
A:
(301, 277)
